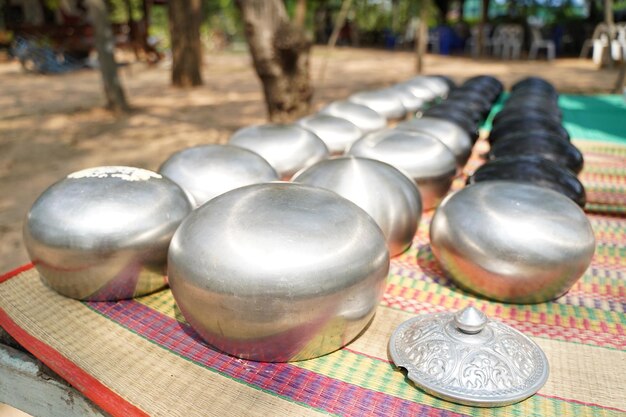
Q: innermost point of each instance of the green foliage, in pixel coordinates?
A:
(378, 15)
(159, 26)
(221, 16)
(118, 11)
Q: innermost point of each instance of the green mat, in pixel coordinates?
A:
(601, 117)
(597, 117)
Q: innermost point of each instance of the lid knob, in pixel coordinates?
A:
(470, 320)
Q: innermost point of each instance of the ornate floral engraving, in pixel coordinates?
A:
(484, 371)
(503, 363)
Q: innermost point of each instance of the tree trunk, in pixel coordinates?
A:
(395, 16)
(132, 28)
(299, 17)
(421, 38)
(608, 12)
(280, 52)
(334, 36)
(105, 44)
(185, 17)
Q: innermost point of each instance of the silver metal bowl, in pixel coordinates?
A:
(438, 85)
(362, 116)
(103, 233)
(288, 148)
(207, 171)
(384, 102)
(337, 133)
(411, 102)
(422, 157)
(435, 84)
(278, 272)
(385, 193)
(420, 89)
(451, 134)
(512, 242)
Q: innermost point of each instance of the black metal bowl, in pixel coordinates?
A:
(535, 170)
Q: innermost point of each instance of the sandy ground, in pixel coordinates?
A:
(53, 125)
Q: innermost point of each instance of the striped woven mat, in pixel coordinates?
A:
(139, 357)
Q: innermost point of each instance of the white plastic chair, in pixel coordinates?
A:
(507, 41)
(618, 44)
(472, 42)
(538, 42)
(600, 51)
(588, 43)
(599, 43)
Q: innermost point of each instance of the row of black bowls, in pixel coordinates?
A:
(528, 142)
(469, 104)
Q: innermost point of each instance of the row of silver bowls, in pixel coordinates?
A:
(262, 269)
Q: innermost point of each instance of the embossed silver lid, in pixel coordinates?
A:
(466, 358)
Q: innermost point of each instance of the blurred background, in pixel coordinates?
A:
(128, 82)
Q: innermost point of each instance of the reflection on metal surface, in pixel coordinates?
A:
(423, 157)
(512, 242)
(207, 171)
(278, 272)
(337, 133)
(362, 116)
(381, 190)
(410, 102)
(288, 148)
(104, 237)
(451, 134)
(384, 102)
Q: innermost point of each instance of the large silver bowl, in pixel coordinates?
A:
(288, 148)
(207, 171)
(278, 272)
(362, 116)
(451, 134)
(512, 242)
(385, 193)
(337, 133)
(424, 158)
(384, 102)
(103, 233)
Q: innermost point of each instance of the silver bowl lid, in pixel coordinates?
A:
(466, 358)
